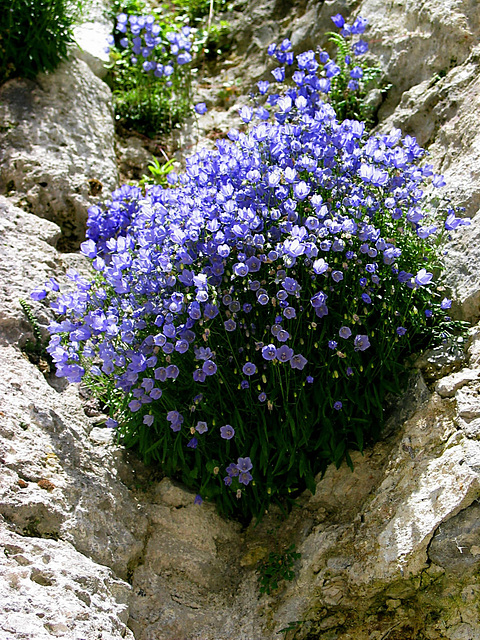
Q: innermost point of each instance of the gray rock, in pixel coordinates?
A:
(449, 385)
(456, 544)
(57, 139)
(49, 589)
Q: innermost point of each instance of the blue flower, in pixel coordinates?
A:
(361, 343)
(209, 367)
(249, 369)
(201, 108)
(401, 331)
(201, 427)
(337, 405)
(244, 465)
(345, 332)
(227, 432)
(338, 20)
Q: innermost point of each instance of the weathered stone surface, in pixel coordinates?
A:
(91, 37)
(48, 589)
(57, 142)
(456, 544)
(444, 115)
(447, 386)
(20, 269)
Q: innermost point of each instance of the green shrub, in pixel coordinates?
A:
(35, 35)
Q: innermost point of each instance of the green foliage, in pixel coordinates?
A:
(277, 567)
(35, 35)
(347, 102)
(158, 173)
(36, 351)
(196, 10)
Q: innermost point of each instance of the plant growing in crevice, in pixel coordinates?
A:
(245, 326)
(276, 568)
(151, 71)
(36, 351)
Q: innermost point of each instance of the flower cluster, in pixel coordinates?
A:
(260, 310)
(151, 71)
(153, 47)
(343, 80)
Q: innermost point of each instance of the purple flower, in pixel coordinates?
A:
(201, 108)
(269, 351)
(401, 331)
(338, 20)
(232, 470)
(199, 375)
(148, 420)
(263, 86)
(245, 478)
(337, 276)
(198, 500)
(345, 332)
(134, 405)
(309, 379)
(445, 303)
(337, 405)
(38, 294)
(289, 313)
(284, 353)
(201, 427)
(361, 343)
(366, 298)
(209, 368)
(249, 369)
(332, 344)
(192, 443)
(230, 325)
(279, 74)
(428, 313)
(262, 396)
(227, 432)
(244, 464)
(423, 277)
(298, 361)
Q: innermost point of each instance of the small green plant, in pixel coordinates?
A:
(158, 173)
(277, 567)
(35, 35)
(36, 351)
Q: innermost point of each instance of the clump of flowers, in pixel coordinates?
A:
(344, 80)
(245, 326)
(151, 75)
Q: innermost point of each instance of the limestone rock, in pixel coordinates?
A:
(48, 589)
(447, 386)
(57, 139)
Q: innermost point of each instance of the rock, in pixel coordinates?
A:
(447, 387)
(20, 268)
(91, 37)
(49, 589)
(455, 544)
(57, 138)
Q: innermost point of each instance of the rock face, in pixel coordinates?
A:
(95, 545)
(57, 140)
